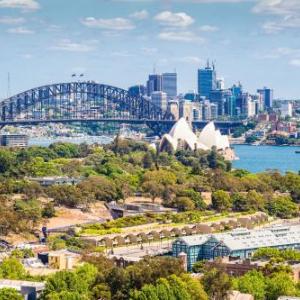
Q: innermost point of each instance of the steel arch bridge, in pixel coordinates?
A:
(78, 102)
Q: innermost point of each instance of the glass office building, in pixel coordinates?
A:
(207, 81)
(169, 84)
(239, 243)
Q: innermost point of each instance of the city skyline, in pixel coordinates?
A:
(119, 42)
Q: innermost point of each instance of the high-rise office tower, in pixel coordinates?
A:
(206, 110)
(169, 84)
(207, 80)
(267, 97)
(219, 98)
(220, 83)
(154, 84)
(160, 100)
(286, 109)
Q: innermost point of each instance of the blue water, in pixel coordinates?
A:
(261, 158)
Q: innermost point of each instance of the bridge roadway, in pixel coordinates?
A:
(169, 123)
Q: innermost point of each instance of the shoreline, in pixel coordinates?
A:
(254, 145)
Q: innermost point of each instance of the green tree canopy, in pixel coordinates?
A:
(10, 294)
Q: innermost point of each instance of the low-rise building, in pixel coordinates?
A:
(60, 260)
(29, 289)
(14, 140)
(239, 243)
(53, 180)
(236, 295)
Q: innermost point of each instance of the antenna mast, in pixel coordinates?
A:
(8, 85)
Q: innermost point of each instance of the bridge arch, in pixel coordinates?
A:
(78, 101)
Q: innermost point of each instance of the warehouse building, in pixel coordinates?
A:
(239, 243)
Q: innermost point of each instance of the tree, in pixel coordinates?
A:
(217, 283)
(251, 139)
(194, 288)
(179, 288)
(67, 150)
(12, 268)
(101, 291)
(48, 210)
(252, 283)
(255, 200)
(29, 210)
(282, 207)
(10, 294)
(147, 160)
(281, 140)
(280, 284)
(66, 295)
(101, 187)
(184, 204)
(240, 202)
(221, 200)
(87, 273)
(7, 160)
(199, 266)
(148, 270)
(68, 195)
(119, 282)
(154, 189)
(213, 158)
(64, 282)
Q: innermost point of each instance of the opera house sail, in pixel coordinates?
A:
(182, 136)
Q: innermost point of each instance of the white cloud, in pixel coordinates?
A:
(26, 56)
(109, 24)
(190, 60)
(180, 19)
(291, 54)
(295, 62)
(23, 4)
(140, 15)
(208, 28)
(70, 46)
(181, 36)
(149, 51)
(191, 1)
(217, 1)
(286, 13)
(277, 7)
(121, 54)
(20, 30)
(11, 20)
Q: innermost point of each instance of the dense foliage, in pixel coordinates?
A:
(125, 167)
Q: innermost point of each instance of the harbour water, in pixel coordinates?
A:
(261, 158)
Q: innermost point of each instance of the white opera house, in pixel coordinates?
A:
(181, 136)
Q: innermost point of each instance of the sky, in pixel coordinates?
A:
(120, 42)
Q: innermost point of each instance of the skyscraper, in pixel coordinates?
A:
(169, 84)
(207, 80)
(267, 97)
(154, 84)
(160, 100)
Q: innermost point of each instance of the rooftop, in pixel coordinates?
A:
(250, 239)
(17, 284)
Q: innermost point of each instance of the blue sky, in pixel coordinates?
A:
(118, 42)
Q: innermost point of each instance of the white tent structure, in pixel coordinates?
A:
(181, 136)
